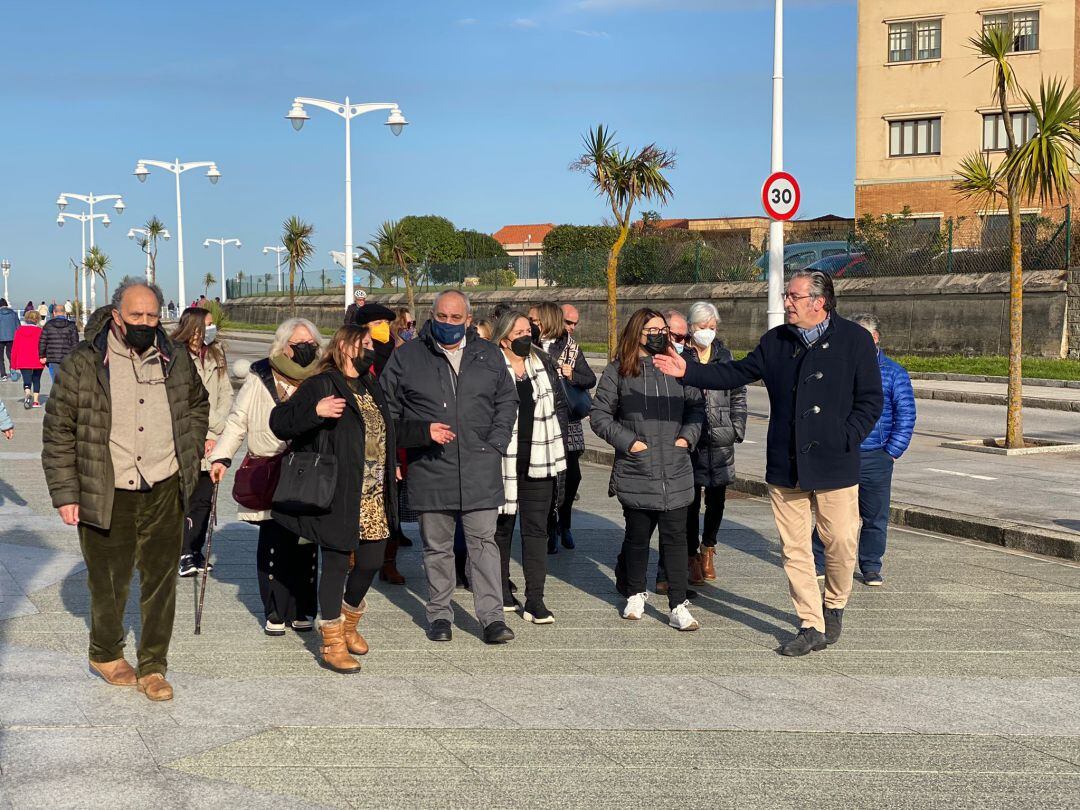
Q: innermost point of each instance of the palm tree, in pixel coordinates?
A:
(1039, 168)
(296, 237)
(208, 281)
(97, 263)
(371, 261)
(394, 245)
(624, 179)
(155, 229)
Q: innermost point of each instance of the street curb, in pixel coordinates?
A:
(983, 398)
(1007, 534)
(1038, 382)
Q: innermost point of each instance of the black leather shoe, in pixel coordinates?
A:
(498, 633)
(809, 640)
(567, 539)
(553, 543)
(834, 620)
(440, 630)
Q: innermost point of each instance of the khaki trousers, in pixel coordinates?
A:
(836, 512)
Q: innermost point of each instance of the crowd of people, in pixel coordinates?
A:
(472, 427)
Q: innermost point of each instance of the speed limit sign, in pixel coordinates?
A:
(780, 195)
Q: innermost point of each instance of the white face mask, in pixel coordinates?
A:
(704, 337)
(209, 335)
(678, 347)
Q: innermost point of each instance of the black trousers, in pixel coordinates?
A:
(287, 572)
(573, 481)
(715, 498)
(337, 583)
(534, 505)
(198, 516)
(632, 566)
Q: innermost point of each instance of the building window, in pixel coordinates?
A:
(926, 226)
(921, 136)
(994, 136)
(918, 39)
(995, 233)
(1023, 24)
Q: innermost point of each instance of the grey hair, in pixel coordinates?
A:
(464, 297)
(669, 312)
(129, 282)
(821, 286)
(701, 311)
(284, 332)
(868, 321)
(505, 325)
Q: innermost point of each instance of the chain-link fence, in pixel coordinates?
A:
(877, 246)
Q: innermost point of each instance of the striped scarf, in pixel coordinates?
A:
(547, 455)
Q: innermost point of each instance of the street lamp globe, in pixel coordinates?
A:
(119, 207)
(142, 173)
(131, 234)
(61, 202)
(213, 175)
(165, 235)
(60, 221)
(297, 115)
(396, 121)
(106, 221)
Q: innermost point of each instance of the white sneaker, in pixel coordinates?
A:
(681, 619)
(635, 606)
(274, 628)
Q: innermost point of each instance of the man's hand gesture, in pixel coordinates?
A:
(670, 363)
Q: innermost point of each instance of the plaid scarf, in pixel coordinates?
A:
(547, 455)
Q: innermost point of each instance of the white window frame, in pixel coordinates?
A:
(913, 32)
(1010, 14)
(1025, 119)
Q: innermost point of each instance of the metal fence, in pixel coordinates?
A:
(877, 247)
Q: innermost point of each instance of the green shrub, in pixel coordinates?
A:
(499, 277)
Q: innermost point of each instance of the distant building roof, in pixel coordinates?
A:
(516, 234)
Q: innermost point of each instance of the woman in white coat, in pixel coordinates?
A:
(287, 565)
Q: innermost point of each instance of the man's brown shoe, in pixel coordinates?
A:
(116, 673)
(350, 617)
(708, 564)
(155, 687)
(697, 576)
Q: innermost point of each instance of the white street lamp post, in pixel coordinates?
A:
(396, 121)
(222, 242)
(775, 305)
(278, 250)
(146, 245)
(5, 266)
(178, 168)
(90, 200)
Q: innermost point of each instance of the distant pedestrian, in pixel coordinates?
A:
(878, 454)
(68, 308)
(43, 311)
(122, 440)
(26, 358)
(359, 299)
(459, 382)
(9, 324)
(824, 387)
(28, 308)
(197, 333)
(653, 423)
(172, 309)
(59, 337)
(404, 325)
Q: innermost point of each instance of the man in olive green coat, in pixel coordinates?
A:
(123, 437)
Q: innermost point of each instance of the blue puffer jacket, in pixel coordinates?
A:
(893, 430)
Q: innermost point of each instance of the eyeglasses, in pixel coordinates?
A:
(677, 338)
(410, 324)
(570, 323)
(792, 297)
(662, 330)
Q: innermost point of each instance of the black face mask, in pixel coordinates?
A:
(656, 344)
(522, 346)
(535, 330)
(382, 352)
(139, 336)
(303, 354)
(361, 364)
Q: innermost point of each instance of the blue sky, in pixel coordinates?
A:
(498, 95)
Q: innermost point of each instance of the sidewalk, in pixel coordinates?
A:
(1036, 394)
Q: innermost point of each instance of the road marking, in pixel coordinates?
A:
(961, 474)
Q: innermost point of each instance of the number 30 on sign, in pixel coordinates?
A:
(781, 196)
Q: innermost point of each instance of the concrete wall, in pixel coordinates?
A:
(926, 315)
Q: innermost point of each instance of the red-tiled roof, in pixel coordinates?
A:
(516, 234)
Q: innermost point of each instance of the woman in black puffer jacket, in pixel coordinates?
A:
(714, 456)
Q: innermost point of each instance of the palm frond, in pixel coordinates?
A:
(994, 44)
(979, 181)
(1041, 167)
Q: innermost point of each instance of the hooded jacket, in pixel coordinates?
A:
(78, 419)
(9, 322)
(725, 426)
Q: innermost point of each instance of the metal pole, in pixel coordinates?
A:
(93, 281)
(347, 259)
(179, 239)
(224, 296)
(277, 257)
(82, 273)
(776, 228)
(146, 250)
(1068, 236)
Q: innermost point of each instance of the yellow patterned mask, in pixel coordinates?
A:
(381, 332)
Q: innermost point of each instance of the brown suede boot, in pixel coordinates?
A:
(115, 673)
(350, 617)
(155, 687)
(708, 566)
(697, 577)
(389, 572)
(335, 655)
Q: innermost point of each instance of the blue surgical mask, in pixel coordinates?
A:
(447, 334)
(678, 347)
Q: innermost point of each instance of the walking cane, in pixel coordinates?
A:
(206, 566)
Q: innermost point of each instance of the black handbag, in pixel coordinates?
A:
(578, 401)
(307, 481)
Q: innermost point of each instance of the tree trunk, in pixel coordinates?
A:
(612, 295)
(1014, 419)
(292, 288)
(408, 288)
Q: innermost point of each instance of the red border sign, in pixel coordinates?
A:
(765, 196)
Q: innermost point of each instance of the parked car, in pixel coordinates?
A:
(846, 265)
(802, 254)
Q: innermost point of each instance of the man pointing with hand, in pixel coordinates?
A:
(825, 397)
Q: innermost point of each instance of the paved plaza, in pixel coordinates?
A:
(954, 685)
